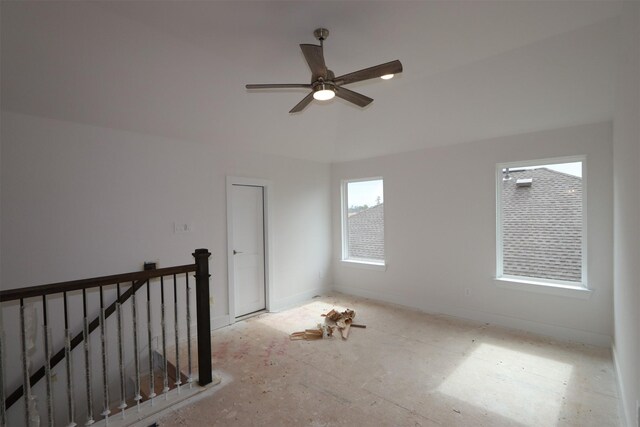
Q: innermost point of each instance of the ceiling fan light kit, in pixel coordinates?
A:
(323, 92)
(324, 84)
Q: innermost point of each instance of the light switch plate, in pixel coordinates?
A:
(182, 227)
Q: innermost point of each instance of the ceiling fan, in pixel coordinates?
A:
(324, 84)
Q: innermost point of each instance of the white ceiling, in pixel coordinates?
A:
(472, 69)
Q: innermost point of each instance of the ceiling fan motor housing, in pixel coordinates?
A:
(329, 77)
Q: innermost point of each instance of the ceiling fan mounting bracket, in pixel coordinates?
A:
(321, 34)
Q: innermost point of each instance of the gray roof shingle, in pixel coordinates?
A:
(366, 234)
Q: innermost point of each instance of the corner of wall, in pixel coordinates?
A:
(622, 404)
(626, 147)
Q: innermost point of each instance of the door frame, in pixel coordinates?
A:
(267, 189)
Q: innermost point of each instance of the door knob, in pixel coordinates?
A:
(236, 252)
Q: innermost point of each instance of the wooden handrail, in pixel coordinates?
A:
(74, 285)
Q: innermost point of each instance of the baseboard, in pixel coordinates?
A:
(554, 331)
(623, 405)
(293, 300)
(220, 322)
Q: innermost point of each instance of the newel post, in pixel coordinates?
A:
(203, 315)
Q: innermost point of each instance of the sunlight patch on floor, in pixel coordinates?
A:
(525, 388)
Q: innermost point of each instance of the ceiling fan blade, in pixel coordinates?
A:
(354, 97)
(277, 86)
(305, 101)
(393, 67)
(315, 58)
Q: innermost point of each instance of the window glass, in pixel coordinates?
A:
(541, 222)
(363, 222)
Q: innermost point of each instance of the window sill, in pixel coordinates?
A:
(543, 287)
(380, 266)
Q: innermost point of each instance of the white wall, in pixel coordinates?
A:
(82, 201)
(440, 233)
(626, 161)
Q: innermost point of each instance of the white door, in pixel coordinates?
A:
(248, 248)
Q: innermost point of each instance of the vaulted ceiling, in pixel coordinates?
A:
(177, 69)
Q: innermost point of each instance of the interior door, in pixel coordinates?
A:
(248, 248)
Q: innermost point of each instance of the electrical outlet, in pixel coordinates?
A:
(210, 300)
(467, 292)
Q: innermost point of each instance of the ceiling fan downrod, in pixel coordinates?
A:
(321, 34)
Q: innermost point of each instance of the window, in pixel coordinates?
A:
(540, 236)
(363, 221)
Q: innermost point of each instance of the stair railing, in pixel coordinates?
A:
(138, 281)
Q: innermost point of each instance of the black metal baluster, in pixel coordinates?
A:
(136, 354)
(165, 379)
(25, 367)
(176, 324)
(47, 362)
(68, 362)
(87, 360)
(105, 371)
(152, 387)
(190, 379)
(123, 397)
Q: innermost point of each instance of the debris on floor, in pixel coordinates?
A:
(322, 331)
(335, 320)
(343, 321)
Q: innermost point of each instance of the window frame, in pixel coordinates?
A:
(344, 216)
(534, 283)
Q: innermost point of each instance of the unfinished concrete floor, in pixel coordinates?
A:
(405, 369)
